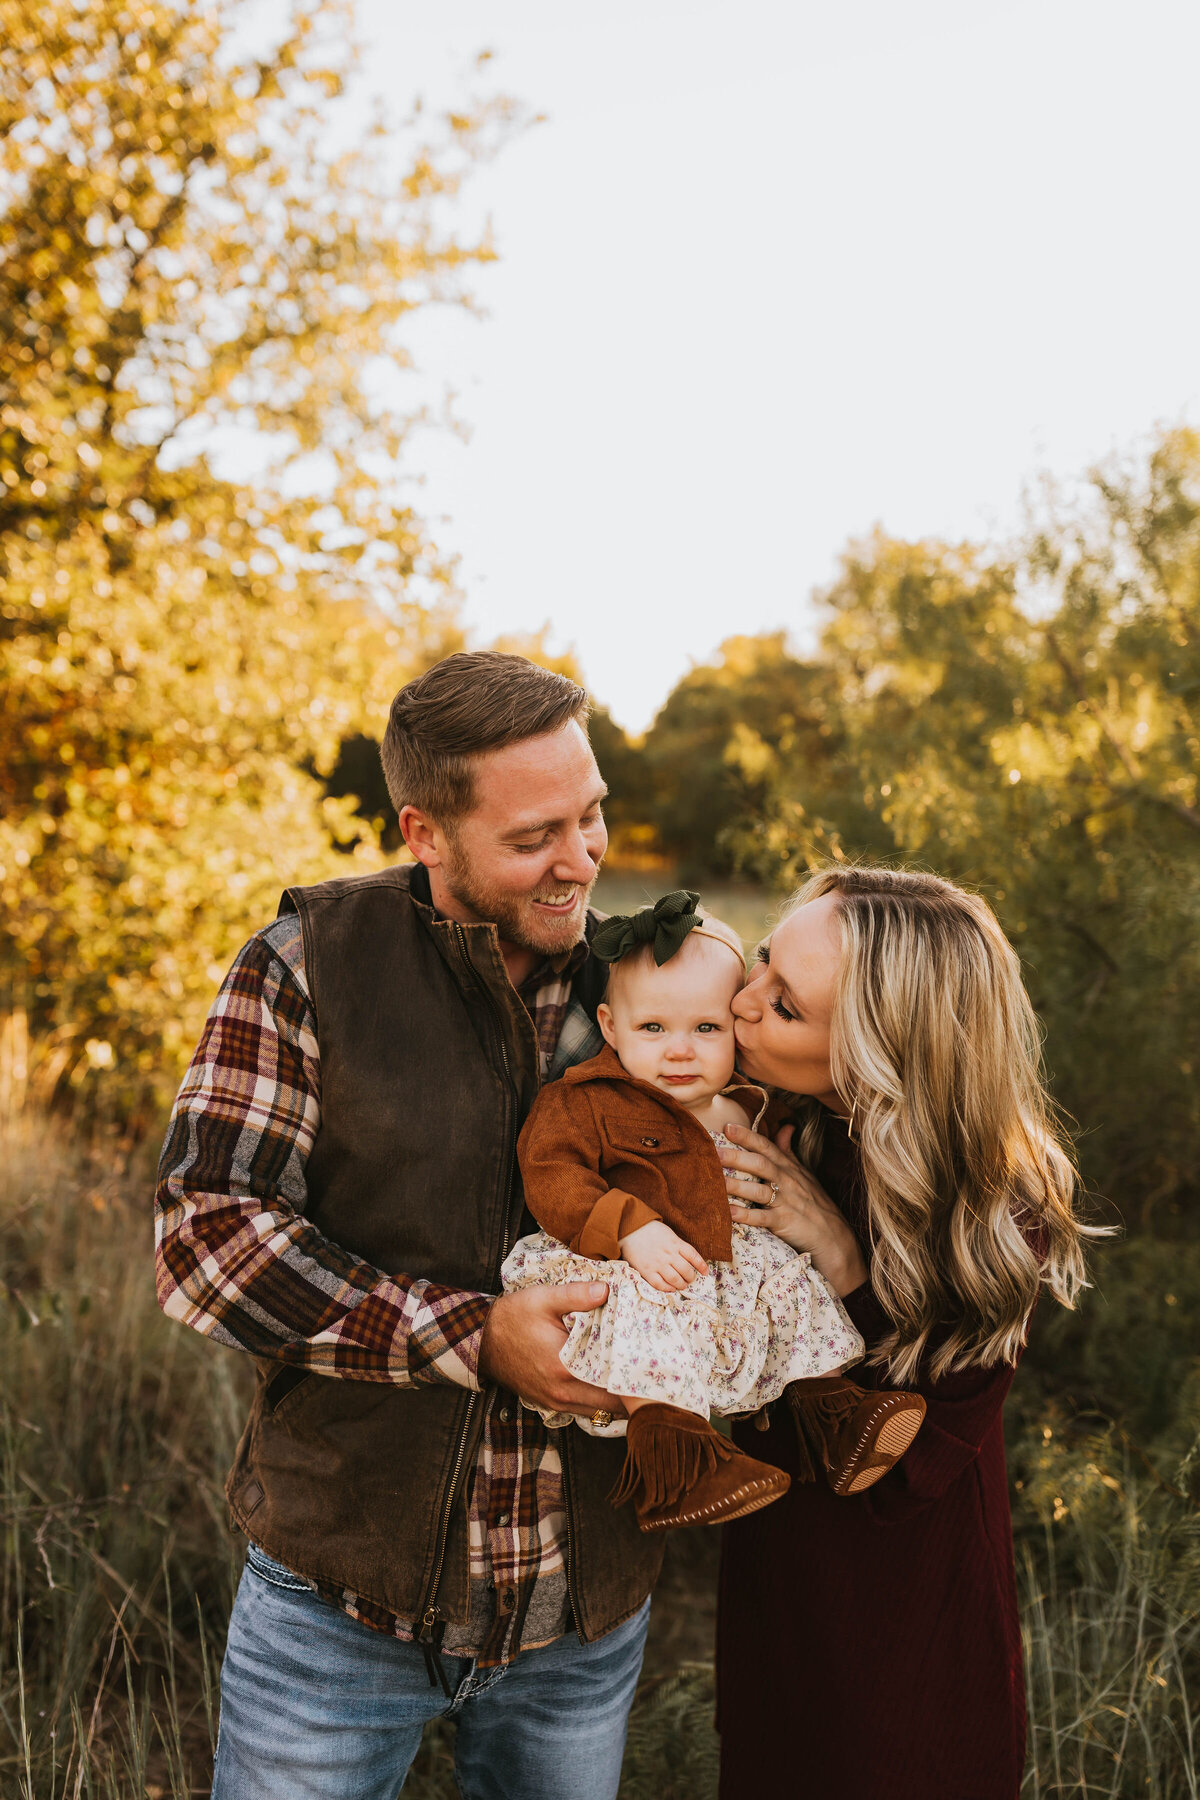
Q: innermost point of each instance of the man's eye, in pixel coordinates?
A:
(528, 849)
(778, 1006)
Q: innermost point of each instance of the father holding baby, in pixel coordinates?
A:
(337, 1194)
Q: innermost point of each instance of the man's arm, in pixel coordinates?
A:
(236, 1258)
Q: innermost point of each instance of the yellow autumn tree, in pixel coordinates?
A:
(209, 573)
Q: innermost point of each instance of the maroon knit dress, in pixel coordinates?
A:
(868, 1648)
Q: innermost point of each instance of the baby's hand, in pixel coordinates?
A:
(666, 1260)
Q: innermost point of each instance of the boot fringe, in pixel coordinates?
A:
(817, 1416)
(665, 1458)
(810, 1450)
(627, 1481)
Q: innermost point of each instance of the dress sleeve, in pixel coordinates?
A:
(961, 1411)
(559, 1154)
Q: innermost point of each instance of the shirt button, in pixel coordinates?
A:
(504, 1519)
(505, 1414)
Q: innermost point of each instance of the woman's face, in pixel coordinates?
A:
(783, 1014)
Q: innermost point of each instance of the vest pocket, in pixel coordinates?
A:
(281, 1386)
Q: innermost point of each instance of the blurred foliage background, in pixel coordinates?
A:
(212, 580)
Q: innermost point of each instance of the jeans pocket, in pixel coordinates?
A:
(277, 1573)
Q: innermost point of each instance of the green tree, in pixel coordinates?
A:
(210, 575)
(1031, 726)
(742, 764)
(1028, 724)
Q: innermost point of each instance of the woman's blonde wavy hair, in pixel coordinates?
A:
(970, 1185)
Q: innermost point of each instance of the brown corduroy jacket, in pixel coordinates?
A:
(603, 1153)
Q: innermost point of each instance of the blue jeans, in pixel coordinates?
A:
(315, 1706)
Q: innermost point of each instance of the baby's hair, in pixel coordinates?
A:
(643, 956)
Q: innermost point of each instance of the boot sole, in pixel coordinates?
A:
(892, 1440)
(744, 1500)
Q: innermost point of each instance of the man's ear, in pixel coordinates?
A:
(604, 1020)
(423, 837)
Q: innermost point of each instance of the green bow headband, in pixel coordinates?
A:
(665, 925)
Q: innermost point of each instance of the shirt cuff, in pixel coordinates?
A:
(613, 1217)
(447, 1336)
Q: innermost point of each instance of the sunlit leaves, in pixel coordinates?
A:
(1028, 725)
(210, 571)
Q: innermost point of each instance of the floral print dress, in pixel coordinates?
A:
(728, 1343)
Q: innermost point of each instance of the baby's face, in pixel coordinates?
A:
(673, 1026)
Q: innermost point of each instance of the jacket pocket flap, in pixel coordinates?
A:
(641, 1139)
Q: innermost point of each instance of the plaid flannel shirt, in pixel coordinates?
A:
(239, 1262)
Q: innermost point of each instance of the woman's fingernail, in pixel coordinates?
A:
(596, 1290)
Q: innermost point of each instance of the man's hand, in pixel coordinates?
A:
(521, 1341)
(662, 1257)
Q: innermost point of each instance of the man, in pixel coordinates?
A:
(337, 1192)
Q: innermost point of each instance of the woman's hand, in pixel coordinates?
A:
(799, 1211)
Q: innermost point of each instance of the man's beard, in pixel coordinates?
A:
(514, 915)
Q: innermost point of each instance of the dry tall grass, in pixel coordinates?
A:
(117, 1573)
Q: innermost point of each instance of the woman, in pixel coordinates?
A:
(868, 1647)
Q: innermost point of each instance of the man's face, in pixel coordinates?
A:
(527, 855)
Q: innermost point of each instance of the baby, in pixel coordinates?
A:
(621, 1171)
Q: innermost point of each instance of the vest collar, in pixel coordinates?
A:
(482, 940)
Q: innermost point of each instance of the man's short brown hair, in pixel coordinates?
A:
(475, 701)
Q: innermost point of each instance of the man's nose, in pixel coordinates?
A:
(575, 861)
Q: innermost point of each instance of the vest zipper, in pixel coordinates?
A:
(430, 1621)
(568, 1496)
(498, 1040)
(568, 1457)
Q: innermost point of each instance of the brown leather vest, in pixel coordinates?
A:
(428, 1068)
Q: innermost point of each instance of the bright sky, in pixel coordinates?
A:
(774, 271)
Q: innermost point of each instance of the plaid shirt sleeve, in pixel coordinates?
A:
(236, 1257)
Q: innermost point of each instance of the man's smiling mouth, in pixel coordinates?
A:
(558, 903)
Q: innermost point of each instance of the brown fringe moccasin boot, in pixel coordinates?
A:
(679, 1471)
(855, 1434)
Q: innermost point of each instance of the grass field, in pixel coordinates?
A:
(117, 1571)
